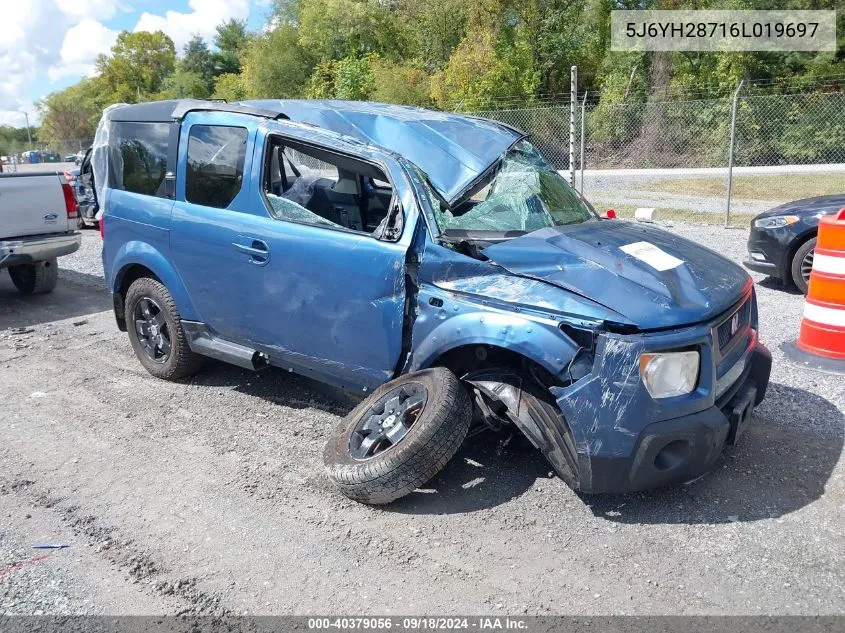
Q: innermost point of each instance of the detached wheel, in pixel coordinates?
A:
(155, 331)
(802, 264)
(400, 437)
(37, 278)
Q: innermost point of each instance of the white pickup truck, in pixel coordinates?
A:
(37, 217)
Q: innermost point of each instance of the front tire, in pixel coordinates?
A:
(802, 264)
(155, 331)
(37, 278)
(400, 437)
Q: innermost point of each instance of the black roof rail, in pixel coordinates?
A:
(185, 106)
(177, 109)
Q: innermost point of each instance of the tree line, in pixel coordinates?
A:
(446, 54)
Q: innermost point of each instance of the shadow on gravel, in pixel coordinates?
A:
(277, 386)
(78, 298)
(83, 279)
(783, 463)
(489, 469)
(776, 284)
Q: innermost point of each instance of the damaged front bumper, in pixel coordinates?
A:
(627, 441)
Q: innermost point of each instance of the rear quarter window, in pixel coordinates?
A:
(143, 154)
(216, 156)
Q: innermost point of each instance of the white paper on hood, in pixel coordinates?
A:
(652, 255)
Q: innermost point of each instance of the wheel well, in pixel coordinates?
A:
(128, 276)
(790, 254)
(466, 358)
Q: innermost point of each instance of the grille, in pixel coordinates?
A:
(743, 320)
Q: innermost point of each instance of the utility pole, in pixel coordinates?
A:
(573, 105)
(731, 153)
(28, 134)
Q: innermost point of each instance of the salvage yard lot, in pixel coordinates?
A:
(209, 496)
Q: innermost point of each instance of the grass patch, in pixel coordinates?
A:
(669, 214)
(782, 187)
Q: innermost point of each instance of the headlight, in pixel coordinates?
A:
(775, 221)
(669, 373)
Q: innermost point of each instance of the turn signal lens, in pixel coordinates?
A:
(669, 374)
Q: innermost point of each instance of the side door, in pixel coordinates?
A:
(325, 286)
(211, 204)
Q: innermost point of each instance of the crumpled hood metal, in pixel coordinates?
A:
(587, 259)
(453, 150)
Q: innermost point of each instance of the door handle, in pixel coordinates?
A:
(257, 251)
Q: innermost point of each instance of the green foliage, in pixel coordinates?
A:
(185, 84)
(434, 29)
(230, 40)
(480, 55)
(198, 62)
(350, 78)
(71, 113)
(275, 65)
(337, 29)
(400, 83)
(229, 86)
(137, 67)
(353, 79)
(477, 74)
(14, 140)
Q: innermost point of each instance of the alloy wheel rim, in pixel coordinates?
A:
(387, 422)
(807, 266)
(153, 333)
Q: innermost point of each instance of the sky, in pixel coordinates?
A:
(47, 45)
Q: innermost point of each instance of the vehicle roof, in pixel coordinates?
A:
(453, 150)
(167, 111)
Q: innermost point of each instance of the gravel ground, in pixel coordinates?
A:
(639, 191)
(209, 496)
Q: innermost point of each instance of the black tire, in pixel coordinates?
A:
(179, 361)
(80, 221)
(433, 437)
(801, 260)
(37, 278)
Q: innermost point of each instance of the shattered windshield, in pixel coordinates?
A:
(521, 193)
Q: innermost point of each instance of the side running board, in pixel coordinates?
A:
(202, 341)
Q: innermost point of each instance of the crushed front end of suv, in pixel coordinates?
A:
(439, 267)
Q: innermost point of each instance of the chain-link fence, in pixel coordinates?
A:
(673, 156)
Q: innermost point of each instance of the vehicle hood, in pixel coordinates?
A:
(588, 259)
(453, 150)
(808, 206)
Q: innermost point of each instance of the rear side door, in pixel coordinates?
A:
(211, 206)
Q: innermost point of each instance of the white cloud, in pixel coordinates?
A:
(94, 9)
(82, 43)
(52, 40)
(203, 19)
(24, 49)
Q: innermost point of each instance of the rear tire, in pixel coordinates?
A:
(164, 352)
(802, 262)
(427, 443)
(37, 278)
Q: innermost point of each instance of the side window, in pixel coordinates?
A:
(215, 171)
(310, 185)
(143, 155)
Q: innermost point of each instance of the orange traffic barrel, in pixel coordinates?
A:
(822, 335)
